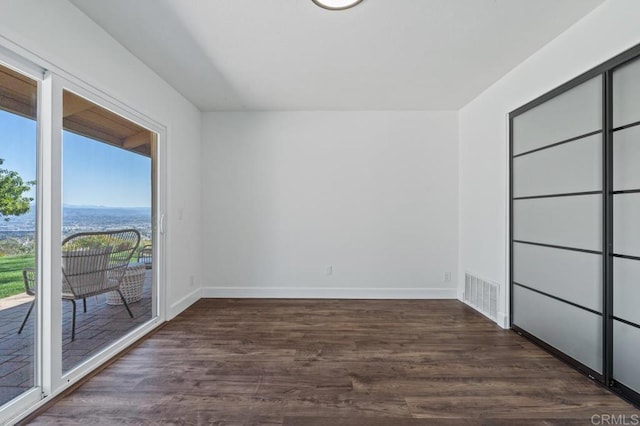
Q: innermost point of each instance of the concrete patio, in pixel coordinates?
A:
(101, 325)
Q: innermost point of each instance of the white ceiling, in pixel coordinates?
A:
(293, 55)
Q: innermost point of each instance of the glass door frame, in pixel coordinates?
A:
(49, 380)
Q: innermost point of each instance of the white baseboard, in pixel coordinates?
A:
(328, 293)
(183, 303)
(503, 320)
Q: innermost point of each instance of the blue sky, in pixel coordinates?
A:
(94, 173)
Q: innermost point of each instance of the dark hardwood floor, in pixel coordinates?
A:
(335, 362)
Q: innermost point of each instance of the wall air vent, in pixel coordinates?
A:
(481, 295)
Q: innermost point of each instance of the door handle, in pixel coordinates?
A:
(162, 230)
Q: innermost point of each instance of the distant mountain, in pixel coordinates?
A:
(89, 206)
(104, 211)
(82, 219)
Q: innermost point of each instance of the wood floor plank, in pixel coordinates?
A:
(541, 404)
(351, 421)
(335, 362)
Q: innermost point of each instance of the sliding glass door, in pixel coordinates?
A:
(81, 194)
(109, 285)
(108, 288)
(19, 242)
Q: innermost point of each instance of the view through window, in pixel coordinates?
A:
(107, 286)
(108, 270)
(18, 240)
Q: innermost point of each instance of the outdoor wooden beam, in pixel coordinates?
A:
(91, 132)
(17, 106)
(17, 94)
(73, 104)
(141, 138)
(23, 87)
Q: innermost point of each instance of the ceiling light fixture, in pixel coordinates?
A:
(336, 4)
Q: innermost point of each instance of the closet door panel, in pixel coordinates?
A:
(567, 274)
(557, 222)
(626, 92)
(574, 331)
(571, 167)
(563, 221)
(626, 224)
(626, 352)
(626, 159)
(575, 221)
(570, 114)
(626, 290)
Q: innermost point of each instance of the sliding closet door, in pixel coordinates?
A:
(557, 223)
(626, 225)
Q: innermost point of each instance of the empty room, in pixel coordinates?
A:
(320, 212)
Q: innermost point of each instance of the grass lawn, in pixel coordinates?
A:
(11, 273)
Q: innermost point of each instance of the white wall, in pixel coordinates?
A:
(607, 31)
(62, 35)
(287, 194)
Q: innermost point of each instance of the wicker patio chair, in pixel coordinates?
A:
(145, 256)
(29, 278)
(94, 263)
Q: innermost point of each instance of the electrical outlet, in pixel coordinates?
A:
(329, 270)
(192, 280)
(447, 277)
